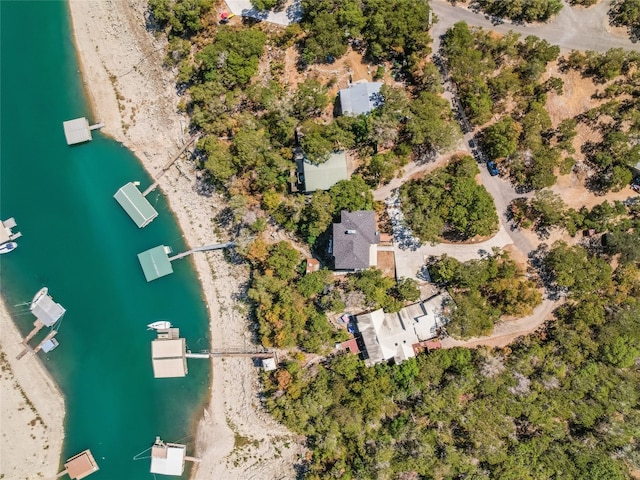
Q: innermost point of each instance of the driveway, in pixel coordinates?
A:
(409, 262)
(572, 29)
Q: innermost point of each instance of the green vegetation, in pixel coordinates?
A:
(626, 13)
(449, 203)
(500, 76)
(288, 306)
(546, 210)
(560, 407)
(483, 291)
(388, 29)
(183, 17)
(383, 292)
(267, 4)
(528, 11)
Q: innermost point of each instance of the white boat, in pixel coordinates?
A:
(161, 325)
(41, 293)
(8, 247)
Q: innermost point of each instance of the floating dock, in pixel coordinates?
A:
(80, 466)
(168, 458)
(47, 313)
(78, 130)
(168, 354)
(156, 261)
(6, 231)
(135, 204)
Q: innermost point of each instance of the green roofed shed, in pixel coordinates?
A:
(155, 262)
(135, 204)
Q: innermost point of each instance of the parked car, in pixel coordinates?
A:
(493, 168)
(635, 184)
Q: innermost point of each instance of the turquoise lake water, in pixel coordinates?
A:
(79, 243)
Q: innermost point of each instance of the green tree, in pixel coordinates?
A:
(232, 58)
(351, 195)
(431, 124)
(501, 138)
(310, 98)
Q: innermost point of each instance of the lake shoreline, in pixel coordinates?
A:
(135, 97)
(33, 409)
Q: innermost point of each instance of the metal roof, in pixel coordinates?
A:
(360, 98)
(135, 204)
(77, 131)
(46, 310)
(169, 358)
(393, 335)
(155, 263)
(327, 174)
(81, 465)
(168, 459)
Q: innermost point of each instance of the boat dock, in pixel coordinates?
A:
(6, 232)
(47, 313)
(78, 130)
(156, 261)
(170, 163)
(80, 466)
(234, 352)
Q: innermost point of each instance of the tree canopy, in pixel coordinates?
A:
(448, 202)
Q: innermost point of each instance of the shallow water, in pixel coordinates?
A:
(79, 242)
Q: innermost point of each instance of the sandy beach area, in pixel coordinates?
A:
(136, 99)
(31, 411)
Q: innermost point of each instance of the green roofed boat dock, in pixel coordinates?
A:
(156, 261)
(135, 204)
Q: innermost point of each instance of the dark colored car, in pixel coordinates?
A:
(493, 168)
(635, 184)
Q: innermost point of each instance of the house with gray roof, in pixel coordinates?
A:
(360, 98)
(398, 335)
(355, 241)
(323, 176)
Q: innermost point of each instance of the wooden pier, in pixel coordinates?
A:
(169, 163)
(234, 352)
(37, 348)
(205, 248)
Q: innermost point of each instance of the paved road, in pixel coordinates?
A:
(572, 29)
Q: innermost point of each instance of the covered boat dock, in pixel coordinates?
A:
(80, 466)
(168, 354)
(155, 262)
(78, 130)
(135, 204)
(6, 233)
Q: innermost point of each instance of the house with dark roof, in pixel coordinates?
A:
(355, 241)
(360, 98)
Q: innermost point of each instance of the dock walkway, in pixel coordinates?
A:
(167, 166)
(204, 248)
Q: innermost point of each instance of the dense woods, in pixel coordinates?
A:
(449, 203)
(564, 403)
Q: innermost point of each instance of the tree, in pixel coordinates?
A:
(232, 59)
(627, 13)
(501, 138)
(449, 202)
(219, 161)
(310, 98)
(351, 195)
(407, 290)
(548, 208)
(431, 123)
